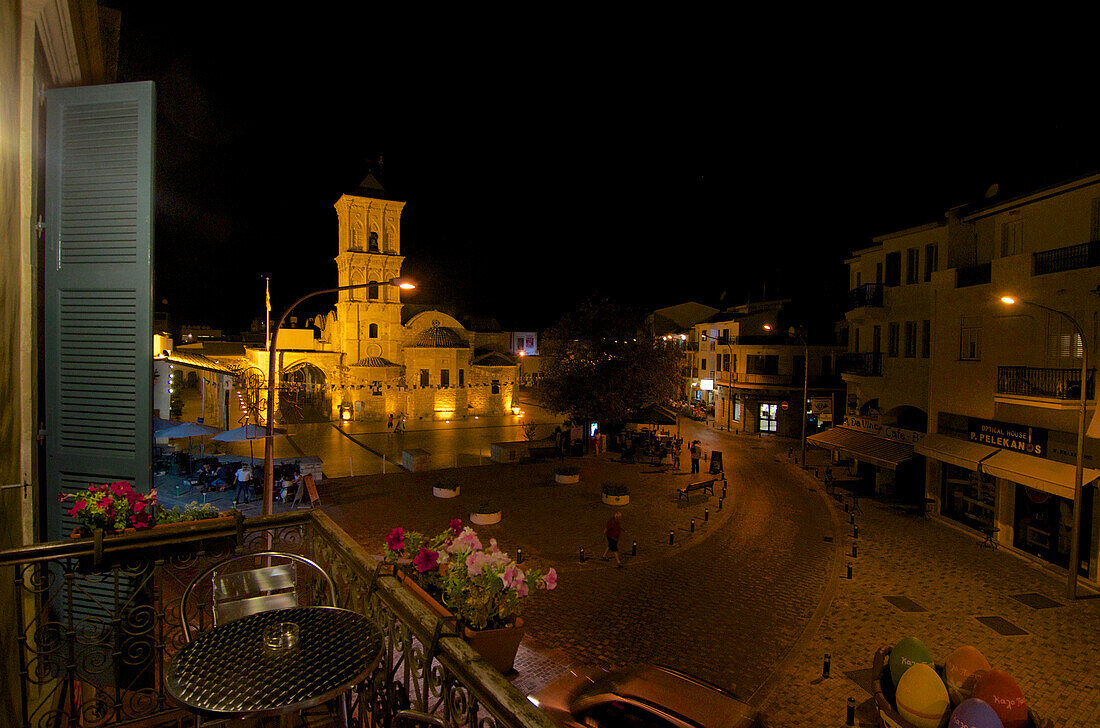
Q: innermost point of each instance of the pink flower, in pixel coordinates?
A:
(512, 575)
(467, 541)
(493, 545)
(456, 526)
(395, 541)
(522, 589)
(141, 520)
(551, 579)
(475, 562)
(77, 507)
(425, 560)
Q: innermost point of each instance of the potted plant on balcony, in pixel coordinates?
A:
(110, 508)
(481, 587)
(567, 474)
(485, 514)
(615, 494)
(446, 489)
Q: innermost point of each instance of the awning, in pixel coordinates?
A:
(863, 447)
(1046, 475)
(952, 450)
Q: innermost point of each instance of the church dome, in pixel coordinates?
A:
(438, 337)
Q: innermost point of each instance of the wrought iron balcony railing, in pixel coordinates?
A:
(864, 364)
(869, 294)
(97, 621)
(1044, 382)
(1071, 257)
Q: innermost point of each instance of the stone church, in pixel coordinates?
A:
(373, 356)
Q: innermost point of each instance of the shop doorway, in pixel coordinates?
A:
(1044, 526)
(769, 417)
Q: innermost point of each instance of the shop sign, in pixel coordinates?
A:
(821, 405)
(872, 426)
(1007, 436)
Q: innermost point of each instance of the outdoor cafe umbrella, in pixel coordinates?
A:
(188, 430)
(248, 432)
(159, 425)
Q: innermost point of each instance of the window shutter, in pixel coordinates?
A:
(98, 290)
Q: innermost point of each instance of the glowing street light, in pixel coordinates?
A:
(1078, 474)
(269, 438)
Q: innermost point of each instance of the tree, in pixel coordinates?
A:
(599, 367)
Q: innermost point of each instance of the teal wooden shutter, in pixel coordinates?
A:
(98, 290)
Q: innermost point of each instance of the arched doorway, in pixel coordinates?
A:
(304, 395)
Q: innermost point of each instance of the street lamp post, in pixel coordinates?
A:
(804, 338)
(269, 437)
(1079, 470)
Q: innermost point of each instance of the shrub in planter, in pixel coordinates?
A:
(567, 474)
(615, 494)
(446, 489)
(486, 513)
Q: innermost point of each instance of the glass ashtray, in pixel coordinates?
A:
(280, 636)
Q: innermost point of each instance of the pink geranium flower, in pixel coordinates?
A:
(395, 541)
(522, 589)
(551, 579)
(475, 562)
(77, 507)
(456, 526)
(511, 575)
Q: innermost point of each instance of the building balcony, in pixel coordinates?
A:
(1071, 257)
(864, 364)
(98, 620)
(973, 275)
(1044, 383)
(869, 294)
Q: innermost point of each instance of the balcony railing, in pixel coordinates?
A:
(869, 294)
(1044, 382)
(97, 621)
(973, 275)
(1071, 257)
(865, 364)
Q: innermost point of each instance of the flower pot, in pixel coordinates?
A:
(616, 500)
(445, 492)
(498, 646)
(485, 519)
(566, 479)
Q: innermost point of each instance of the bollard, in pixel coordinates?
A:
(850, 719)
(846, 507)
(851, 517)
(720, 502)
(582, 554)
(855, 531)
(519, 555)
(825, 666)
(634, 549)
(693, 525)
(853, 551)
(670, 536)
(723, 491)
(177, 490)
(849, 569)
(706, 515)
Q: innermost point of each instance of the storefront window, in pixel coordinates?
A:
(1044, 523)
(968, 497)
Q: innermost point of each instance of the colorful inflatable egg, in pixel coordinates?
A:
(974, 713)
(957, 670)
(906, 653)
(1000, 691)
(922, 697)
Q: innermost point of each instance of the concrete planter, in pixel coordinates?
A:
(485, 519)
(566, 479)
(616, 500)
(445, 492)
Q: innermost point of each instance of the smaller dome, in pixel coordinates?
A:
(439, 337)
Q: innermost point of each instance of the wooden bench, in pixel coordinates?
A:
(707, 486)
(543, 453)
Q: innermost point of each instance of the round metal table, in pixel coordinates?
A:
(227, 672)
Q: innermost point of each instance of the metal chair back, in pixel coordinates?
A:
(236, 594)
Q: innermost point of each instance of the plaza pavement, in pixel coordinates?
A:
(758, 594)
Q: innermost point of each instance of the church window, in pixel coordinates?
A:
(462, 377)
(444, 377)
(496, 386)
(423, 377)
(372, 331)
(372, 245)
(372, 291)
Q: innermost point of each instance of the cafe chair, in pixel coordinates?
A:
(241, 592)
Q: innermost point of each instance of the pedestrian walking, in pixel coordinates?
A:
(244, 484)
(676, 446)
(613, 531)
(596, 441)
(390, 425)
(696, 453)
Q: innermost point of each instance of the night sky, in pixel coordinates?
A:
(551, 163)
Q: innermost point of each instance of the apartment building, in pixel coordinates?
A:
(974, 403)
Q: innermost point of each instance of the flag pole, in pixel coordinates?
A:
(267, 312)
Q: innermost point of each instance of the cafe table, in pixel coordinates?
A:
(227, 672)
